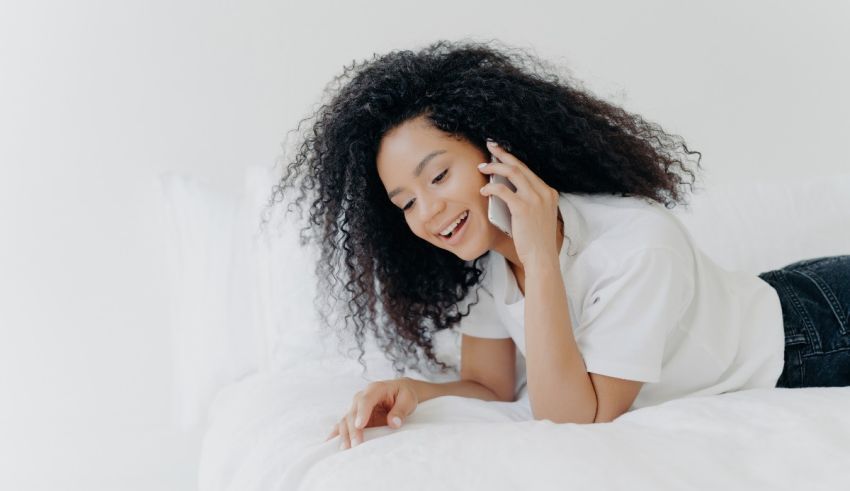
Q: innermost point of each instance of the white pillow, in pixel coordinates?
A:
(286, 279)
(760, 226)
(215, 339)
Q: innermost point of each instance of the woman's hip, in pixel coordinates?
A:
(815, 298)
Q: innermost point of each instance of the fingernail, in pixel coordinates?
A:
(397, 421)
(357, 421)
(482, 165)
(341, 445)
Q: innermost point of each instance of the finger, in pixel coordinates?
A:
(363, 412)
(506, 157)
(357, 408)
(513, 201)
(516, 175)
(352, 431)
(343, 434)
(358, 421)
(502, 154)
(404, 405)
(517, 172)
(333, 433)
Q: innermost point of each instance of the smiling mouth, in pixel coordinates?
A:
(456, 229)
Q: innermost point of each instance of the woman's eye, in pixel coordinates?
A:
(436, 179)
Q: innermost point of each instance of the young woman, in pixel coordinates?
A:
(598, 285)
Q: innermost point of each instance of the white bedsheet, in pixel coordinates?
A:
(267, 432)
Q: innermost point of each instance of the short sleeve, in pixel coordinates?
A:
(483, 321)
(630, 311)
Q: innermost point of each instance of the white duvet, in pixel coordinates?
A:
(267, 432)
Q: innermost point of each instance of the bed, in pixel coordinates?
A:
(267, 389)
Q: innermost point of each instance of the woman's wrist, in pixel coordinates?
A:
(542, 265)
(426, 390)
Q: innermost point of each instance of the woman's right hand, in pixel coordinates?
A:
(386, 402)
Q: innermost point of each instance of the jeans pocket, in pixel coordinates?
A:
(832, 279)
(822, 313)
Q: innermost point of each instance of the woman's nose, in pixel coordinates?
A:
(429, 209)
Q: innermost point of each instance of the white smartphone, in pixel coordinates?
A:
(497, 210)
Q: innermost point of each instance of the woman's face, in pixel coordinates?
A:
(435, 179)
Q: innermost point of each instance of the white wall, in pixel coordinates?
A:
(97, 98)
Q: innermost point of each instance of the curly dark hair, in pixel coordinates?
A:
(575, 142)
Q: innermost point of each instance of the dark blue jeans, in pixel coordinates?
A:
(815, 298)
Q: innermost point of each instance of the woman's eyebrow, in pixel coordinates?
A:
(418, 170)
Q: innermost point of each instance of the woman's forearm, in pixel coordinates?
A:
(464, 388)
(559, 387)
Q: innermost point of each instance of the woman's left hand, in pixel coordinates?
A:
(534, 207)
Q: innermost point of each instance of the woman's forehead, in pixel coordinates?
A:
(404, 150)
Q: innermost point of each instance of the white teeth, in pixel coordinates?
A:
(452, 226)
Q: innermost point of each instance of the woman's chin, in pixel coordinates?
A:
(471, 251)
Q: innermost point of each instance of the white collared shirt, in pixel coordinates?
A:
(645, 304)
